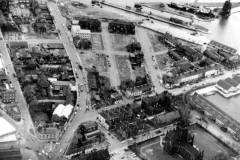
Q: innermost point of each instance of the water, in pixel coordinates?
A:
(224, 31)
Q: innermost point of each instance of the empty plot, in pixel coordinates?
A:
(123, 67)
(97, 42)
(156, 44)
(163, 60)
(119, 41)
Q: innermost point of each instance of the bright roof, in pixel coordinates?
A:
(63, 111)
(6, 127)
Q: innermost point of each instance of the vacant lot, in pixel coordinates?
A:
(119, 41)
(97, 43)
(156, 44)
(100, 61)
(140, 72)
(163, 60)
(123, 66)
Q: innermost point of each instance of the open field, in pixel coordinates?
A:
(156, 44)
(93, 11)
(119, 41)
(97, 42)
(100, 61)
(123, 67)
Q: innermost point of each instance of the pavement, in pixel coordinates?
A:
(81, 114)
(142, 37)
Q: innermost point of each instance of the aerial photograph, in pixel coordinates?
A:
(119, 79)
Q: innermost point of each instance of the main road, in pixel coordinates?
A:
(81, 114)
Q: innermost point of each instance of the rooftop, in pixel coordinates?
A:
(7, 129)
(63, 111)
(224, 85)
(236, 78)
(232, 82)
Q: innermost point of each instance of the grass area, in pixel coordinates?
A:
(120, 41)
(123, 67)
(156, 44)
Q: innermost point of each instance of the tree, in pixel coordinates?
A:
(226, 10)
(184, 112)
(221, 156)
(134, 47)
(82, 43)
(34, 6)
(43, 81)
(4, 6)
(29, 94)
(69, 96)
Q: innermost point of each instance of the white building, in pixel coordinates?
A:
(211, 72)
(82, 33)
(63, 111)
(7, 131)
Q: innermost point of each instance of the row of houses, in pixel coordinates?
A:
(172, 79)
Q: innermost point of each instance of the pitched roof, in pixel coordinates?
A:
(237, 78)
(232, 82)
(224, 85)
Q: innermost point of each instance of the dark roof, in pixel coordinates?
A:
(224, 85)
(232, 82)
(190, 150)
(236, 78)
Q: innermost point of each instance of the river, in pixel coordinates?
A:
(225, 31)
